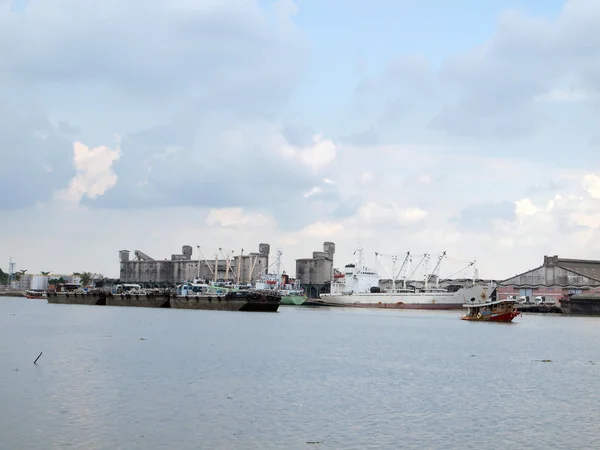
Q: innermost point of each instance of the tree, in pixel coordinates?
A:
(86, 278)
(4, 278)
(45, 273)
(19, 274)
(56, 280)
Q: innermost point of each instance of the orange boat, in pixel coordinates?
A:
(491, 311)
(35, 294)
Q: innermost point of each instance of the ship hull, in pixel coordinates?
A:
(64, 298)
(505, 317)
(207, 303)
(430, 301)
(233, 301)
(581, 307)
(139, 300)
(296, 300)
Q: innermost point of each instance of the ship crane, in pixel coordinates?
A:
(436, 269)
(395, 275)
(425, 256)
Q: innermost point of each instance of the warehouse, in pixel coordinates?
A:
(555, 278)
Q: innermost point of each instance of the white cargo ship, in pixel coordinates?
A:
(359, 287)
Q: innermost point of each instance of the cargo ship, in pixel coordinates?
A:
(290, 291)
(187, 296)
(581, 304)
(359, 287)
(204, 296)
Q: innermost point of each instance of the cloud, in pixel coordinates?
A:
(373, 213)
(317, 156)
(405, 82)
(479, 216)
(525, 207)
(229, 54)
(34, 154)
(528, 59)
(591, 184)
(236, 218)
(94, 174)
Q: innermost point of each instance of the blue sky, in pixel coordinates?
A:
(402, 125)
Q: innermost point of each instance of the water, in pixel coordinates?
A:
(135, 378)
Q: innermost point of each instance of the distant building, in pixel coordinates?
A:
(22, 282)
(554, 278)
(181, 267)
(315, 273)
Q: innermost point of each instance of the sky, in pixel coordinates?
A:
(391, 125)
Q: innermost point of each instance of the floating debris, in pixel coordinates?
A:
(36, 359)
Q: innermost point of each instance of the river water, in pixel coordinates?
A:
(135, 378)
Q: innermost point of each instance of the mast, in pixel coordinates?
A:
(205, 261)
(216, 266)
(394, 259)
(278, 267)
(228, 265)
(425, 268)
(239, 272)
(406, 260)
(437, 266)
(408, 267)
(198, 264)
(252, 269)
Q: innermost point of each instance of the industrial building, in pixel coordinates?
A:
(242, 268)
(555, 278)
(315, 273)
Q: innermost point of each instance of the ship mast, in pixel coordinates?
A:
(425, 267)
(278, 267)
(239, 273)
(228, 265)
(205, 262)
(436, 268)
(216, 266)
(407, 261)
(394, 259)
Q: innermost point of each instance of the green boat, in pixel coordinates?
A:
(292, 298)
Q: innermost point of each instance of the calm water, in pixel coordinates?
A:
(134, 378)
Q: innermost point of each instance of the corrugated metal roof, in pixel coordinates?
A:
(589, 269)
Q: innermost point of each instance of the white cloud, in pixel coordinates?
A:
(560, 95)
(591, 184)
(322, 230)
(94, 173)
(236, 218)
(313, 191)
(374, 213)
(525, 207)
(317, 156)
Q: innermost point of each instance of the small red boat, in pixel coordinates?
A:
(491, 311)
(35, 294)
